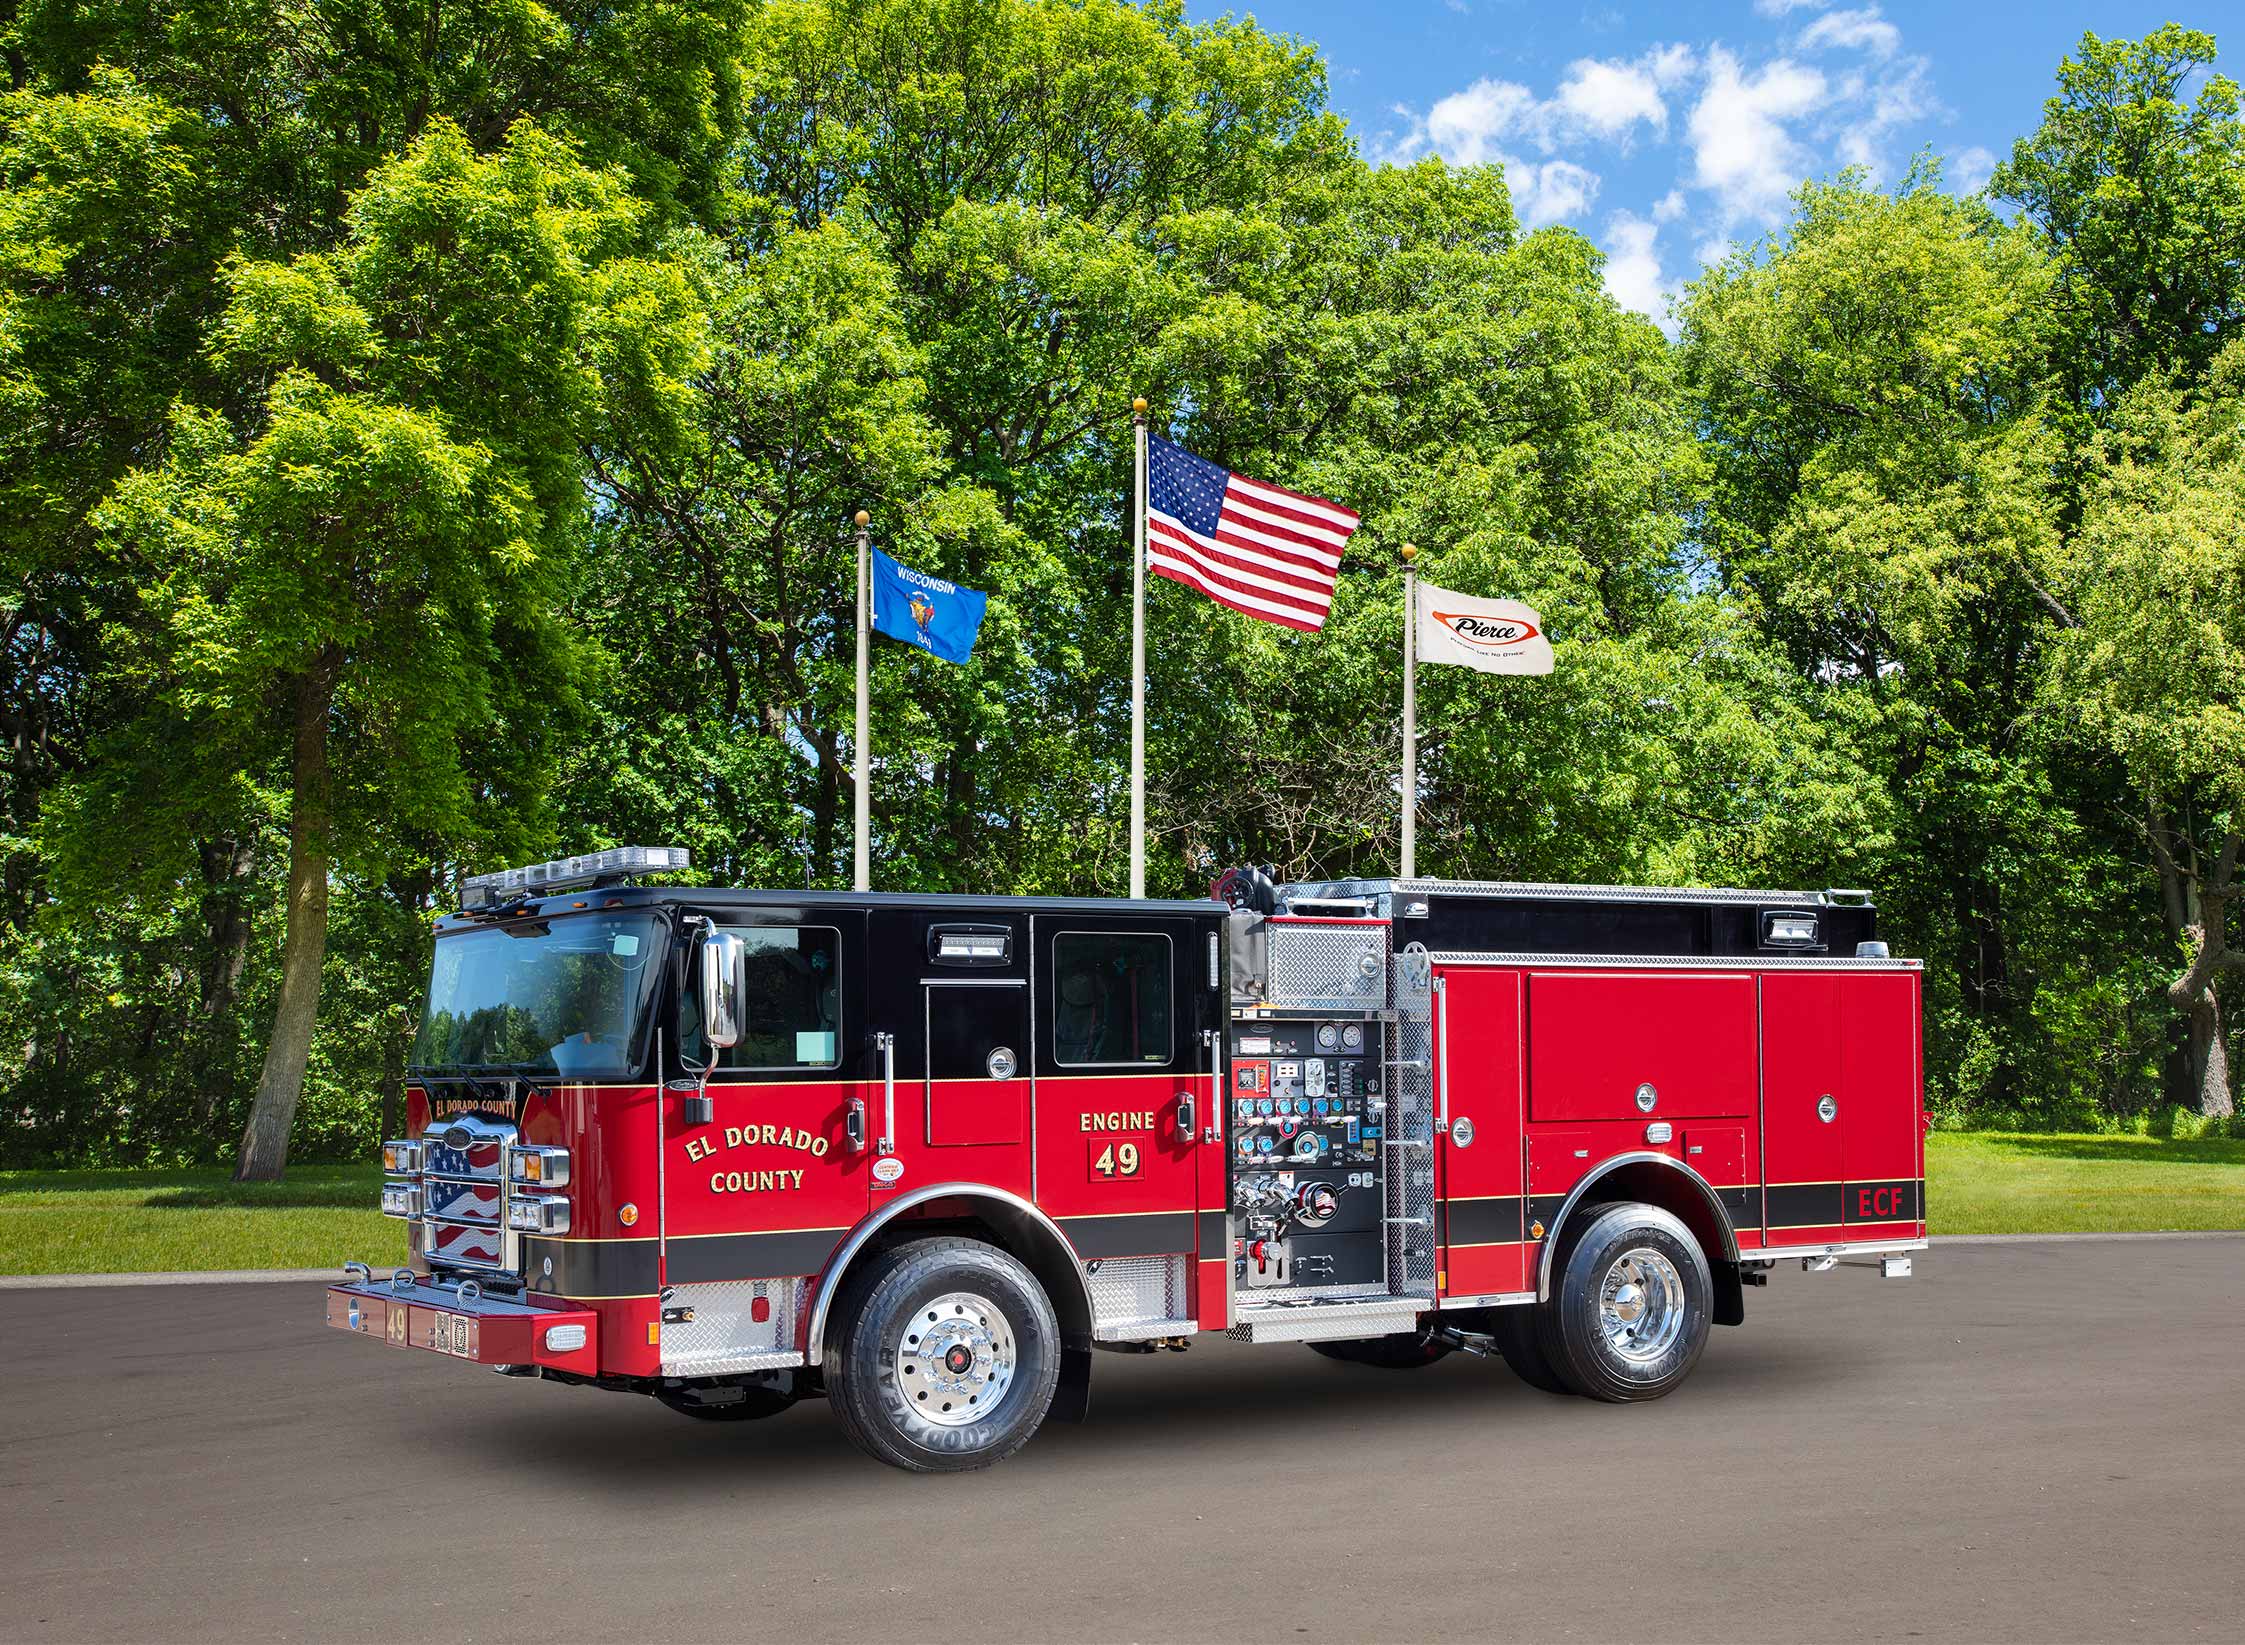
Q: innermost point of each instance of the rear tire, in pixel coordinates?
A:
(1631, 1305)
(1404, 1351)
(944, 1357)
(1520, 1341)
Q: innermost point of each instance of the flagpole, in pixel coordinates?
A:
(1138, 655)
(1410, 714)
(863, 843)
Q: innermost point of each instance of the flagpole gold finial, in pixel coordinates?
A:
(1409, 552)
(1138, 406)
(863, 519)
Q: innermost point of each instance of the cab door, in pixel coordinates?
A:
(1125, 1005)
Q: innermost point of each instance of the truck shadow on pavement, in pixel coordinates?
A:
(1138, 1405)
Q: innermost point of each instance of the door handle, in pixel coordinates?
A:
(1185, 1115)
(887, 1043)
(853, 1122)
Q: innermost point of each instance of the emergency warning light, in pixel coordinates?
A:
(571, 873)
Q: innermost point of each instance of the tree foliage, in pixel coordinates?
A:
(428, 438)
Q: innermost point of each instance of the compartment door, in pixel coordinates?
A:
(1801, 1085)
(1479, 1159)
(1882, 1131)
(1601, 1037)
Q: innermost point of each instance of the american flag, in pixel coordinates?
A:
(1257, 548)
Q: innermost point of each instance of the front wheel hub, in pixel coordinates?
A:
(955, 1359)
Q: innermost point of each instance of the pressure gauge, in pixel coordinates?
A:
(1353, 1036)
(1328, 1036)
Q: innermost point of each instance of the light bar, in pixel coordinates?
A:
(538, 1214)
(571, 873)
(542, 1167)
(401, 1199)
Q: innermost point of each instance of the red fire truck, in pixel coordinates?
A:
(925, 1155)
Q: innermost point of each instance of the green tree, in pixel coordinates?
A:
(2141, 198)
(1881, 495)
(2152, 589)
(362, 578)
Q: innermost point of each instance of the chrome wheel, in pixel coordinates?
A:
(1641, 1305)
(955, 1359)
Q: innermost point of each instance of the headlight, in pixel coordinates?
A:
(401, 1199)
(538, 1214)
(546, 1167)
(401, 1158)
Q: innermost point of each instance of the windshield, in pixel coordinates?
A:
(562, 996)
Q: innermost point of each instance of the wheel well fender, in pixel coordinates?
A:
(1652, 1179)
(1005, 1220)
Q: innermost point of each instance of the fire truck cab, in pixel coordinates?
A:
(926, 1155)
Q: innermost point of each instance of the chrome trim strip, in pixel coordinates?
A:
(1677, 962)
(829, 1280)
(974, 982)
(1606, 1168)
(1488, 1299)
(1138, 1330)
(1774, 1254)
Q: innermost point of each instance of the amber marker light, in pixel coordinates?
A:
(628, 1215)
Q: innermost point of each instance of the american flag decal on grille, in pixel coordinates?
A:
(1260, 549)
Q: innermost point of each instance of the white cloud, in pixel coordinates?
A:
(1902, 94)
(1633, 267)
(1610, 98)
(1970, 170)
(1669, 206)
(1864, 30)
(1551, 192)
(1466, 126)
(1742, 147)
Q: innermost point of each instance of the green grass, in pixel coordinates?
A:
(1981, 1182)
(90, 1222)
(94, 1222)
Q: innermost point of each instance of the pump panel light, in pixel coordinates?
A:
(571, 873)
(1790, 928)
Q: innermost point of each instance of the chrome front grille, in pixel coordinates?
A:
(464, 1192)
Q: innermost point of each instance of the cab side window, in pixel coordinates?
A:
(794, 1002)
(1111, 996)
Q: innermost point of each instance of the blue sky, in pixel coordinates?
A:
(1667, 133)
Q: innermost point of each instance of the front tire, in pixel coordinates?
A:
(1630, 1309)
(945, 1356)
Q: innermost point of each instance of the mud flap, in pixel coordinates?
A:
(1071, 1400)
(1730, 1294)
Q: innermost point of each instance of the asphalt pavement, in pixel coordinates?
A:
(2024, 1442)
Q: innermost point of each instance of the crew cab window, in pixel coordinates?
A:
(794, 1001)
(1110, 998)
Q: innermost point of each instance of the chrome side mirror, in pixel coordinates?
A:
(724, 989)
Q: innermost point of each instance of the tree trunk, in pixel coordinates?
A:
(2209, 1057)
(264, 1153)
